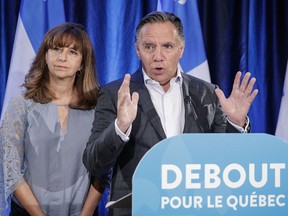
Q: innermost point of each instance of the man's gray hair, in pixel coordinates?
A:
(162, 17)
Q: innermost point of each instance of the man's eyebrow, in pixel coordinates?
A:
(148, 42)
(169, 43)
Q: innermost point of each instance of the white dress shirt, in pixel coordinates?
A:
(169, 105)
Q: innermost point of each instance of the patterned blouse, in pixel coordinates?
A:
(36, 149)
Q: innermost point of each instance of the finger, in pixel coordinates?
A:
(237, 78)
(253, 95)
(125, 84)
(250, 86)
(124, 91)
(135, 98)
(220, 95)
(245, 81)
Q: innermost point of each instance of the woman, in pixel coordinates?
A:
(45, 130)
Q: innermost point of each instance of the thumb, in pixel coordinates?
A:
(220, 94)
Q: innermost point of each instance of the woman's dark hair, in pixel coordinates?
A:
(86, 86)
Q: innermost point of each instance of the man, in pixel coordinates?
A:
(164, 103)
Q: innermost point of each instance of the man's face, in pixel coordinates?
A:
(159, 50)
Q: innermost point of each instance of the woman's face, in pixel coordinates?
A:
(63, 62)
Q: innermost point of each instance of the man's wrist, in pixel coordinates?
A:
(123, 136)
(243, 129)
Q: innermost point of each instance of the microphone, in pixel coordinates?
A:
(188, 99)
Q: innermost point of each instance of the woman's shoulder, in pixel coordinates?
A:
(18, 103)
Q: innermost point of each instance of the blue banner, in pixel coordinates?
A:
(213, 174)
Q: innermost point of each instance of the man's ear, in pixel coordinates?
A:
(137, 51)
(182, 49)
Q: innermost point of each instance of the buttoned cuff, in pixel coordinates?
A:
(123, 136)
(244, 129)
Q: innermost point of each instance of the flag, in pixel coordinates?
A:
(35, 19)
(282, 124)
(193, 61)
(113, 34)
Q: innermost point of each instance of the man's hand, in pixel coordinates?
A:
(127, 105)
(237, 105)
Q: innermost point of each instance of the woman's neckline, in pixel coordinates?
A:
(56, 104)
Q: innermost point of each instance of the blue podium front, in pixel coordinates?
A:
(213, 174)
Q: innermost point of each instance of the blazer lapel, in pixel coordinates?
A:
(192, 123)
(145, 103)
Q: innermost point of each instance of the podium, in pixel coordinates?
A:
(213, 174)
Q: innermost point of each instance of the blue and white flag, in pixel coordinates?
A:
(36, 17)
(193, 61)
(282, 124)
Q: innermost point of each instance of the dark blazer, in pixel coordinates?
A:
(203, 114)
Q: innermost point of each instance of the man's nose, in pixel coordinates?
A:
(158, 54)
